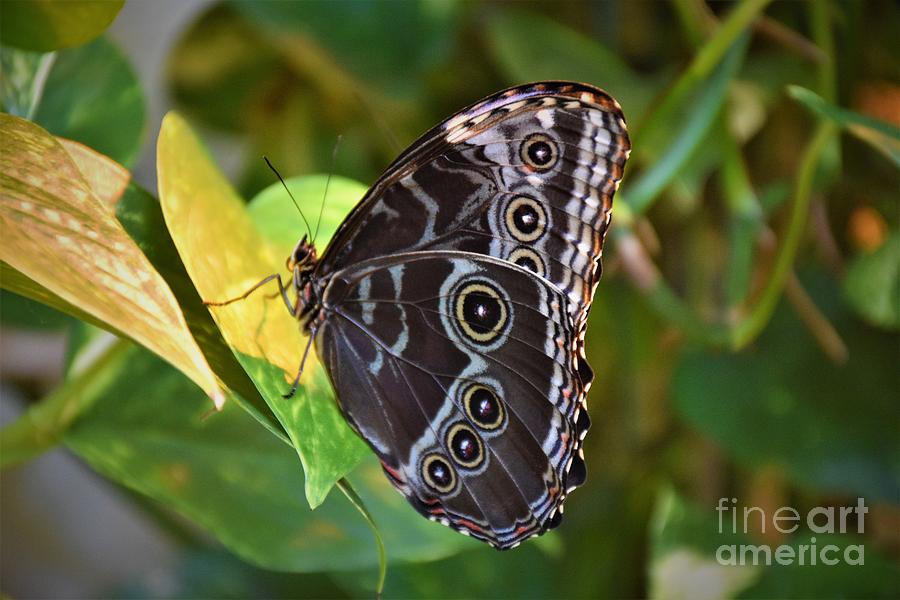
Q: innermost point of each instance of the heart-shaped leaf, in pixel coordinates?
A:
(225, 255)
(149, 429)
(107, 114)
(59, 234)
(276, 216)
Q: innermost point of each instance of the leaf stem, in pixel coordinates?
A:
(43, 426)
(344, 485)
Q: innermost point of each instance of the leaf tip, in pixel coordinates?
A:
(218, 399)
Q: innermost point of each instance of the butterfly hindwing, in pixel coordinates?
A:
(471, 402)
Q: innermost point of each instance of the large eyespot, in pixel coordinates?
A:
(438, 474)
(464, 445)
(539, 152)
(526, 219)
(528, 259)
(480, 311)
(483, 407)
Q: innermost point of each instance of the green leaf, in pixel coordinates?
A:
(781, 404)
(60, 235)
(278, 220)
(152, 431)
(674, 146)
(24, 294)
(276, 217)
(391, 45)
(225, 254)
(24, 76)
(872, 284)
(882, 136)
(92, 95)
(46, 25)
(18, 311)
(512, 35)
(141, 216)
(88, 94)
(217, 573)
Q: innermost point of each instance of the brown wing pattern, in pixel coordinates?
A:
(497, 216)
(464, 329)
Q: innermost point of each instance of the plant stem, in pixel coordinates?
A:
(43, 426)
(750, 327)
(817, 323)
(824, 41)
(823, 144)
(745, 220)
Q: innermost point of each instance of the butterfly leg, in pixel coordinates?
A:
(282, 291)
(293, 390)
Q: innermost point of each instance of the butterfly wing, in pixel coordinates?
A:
(460, 371)
(527, 175)
(497, 215)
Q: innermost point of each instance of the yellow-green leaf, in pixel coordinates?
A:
(225, 255)
(106, 178)
(46, 25)
(62, 235)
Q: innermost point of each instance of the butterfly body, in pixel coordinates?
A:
(449, 308)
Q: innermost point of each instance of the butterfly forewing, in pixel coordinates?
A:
(527, 175)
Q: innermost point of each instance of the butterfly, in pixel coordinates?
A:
(449, 309)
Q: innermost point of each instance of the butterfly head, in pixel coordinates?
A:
(303, 258)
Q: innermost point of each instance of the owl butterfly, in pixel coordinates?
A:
(450, 307)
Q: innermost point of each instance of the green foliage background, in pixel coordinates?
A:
(744, 335)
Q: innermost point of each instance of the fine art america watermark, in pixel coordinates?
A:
(786, 520)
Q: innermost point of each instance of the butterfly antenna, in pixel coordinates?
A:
(334, 152)
(281, 179)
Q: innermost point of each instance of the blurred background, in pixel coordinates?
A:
(744, 335)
